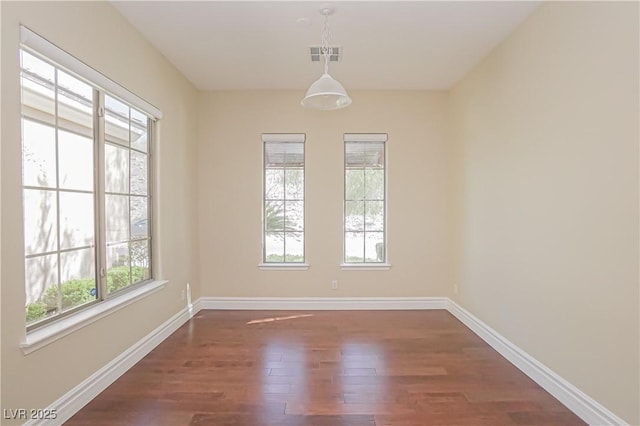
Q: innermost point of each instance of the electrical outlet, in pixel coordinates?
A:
(334, 285)
(455, 289)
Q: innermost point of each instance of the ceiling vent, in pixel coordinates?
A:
(335, 53)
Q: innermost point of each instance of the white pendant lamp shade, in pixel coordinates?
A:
(325, 94)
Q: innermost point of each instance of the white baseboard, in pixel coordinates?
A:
(577, 401)
(573, 398)
(323, 303)
(72, 401)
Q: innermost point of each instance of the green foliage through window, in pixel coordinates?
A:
(78, 292)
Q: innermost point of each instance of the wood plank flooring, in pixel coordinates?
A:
(324, 368)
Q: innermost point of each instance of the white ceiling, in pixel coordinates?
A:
(223, 45)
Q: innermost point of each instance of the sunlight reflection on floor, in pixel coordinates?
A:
(260, 321)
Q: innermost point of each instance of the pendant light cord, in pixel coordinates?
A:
(326, 37)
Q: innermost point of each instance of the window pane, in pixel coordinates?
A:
(140, 228)
(80, 89)
(374, 184)
(374, 219)
(40, 221)
(75, 104)
(354, 216)
(140, 260)
(294, 246)
(274, 184)
(374, 152)
(38, 154)
(117, 215)
(139, 218)
(75, 158)
(41, 285)
(274, 247)
(116, 169)
(284, 154)
(37, 66)
(118, 270)
(76, 220)
(354, 184)
(294, 184)
(364, 154)
(77, 265)
(116, 107)
(139, 175)
(354, 247)
(139, 131)
(274, 216)
(78, 278)
(41, 274)
(38, 99)
(37, 79)
(294, 216)
(116, 121)
(374, 247)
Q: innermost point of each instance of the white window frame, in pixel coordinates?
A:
(50, 329)
(355, 138)
(65, 60)
(282, 138)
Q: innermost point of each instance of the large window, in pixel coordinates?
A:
(283, 207)
(364, 198)
(86, 190)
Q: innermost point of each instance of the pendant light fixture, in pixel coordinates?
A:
(326, 93)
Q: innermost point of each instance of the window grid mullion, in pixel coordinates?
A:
(57, 169)
(100, 198)
(150, 172)
(49, 253)
(129, 245)
(364, 214)
(304, 207)
(264, 202)
(344, 204)
(384, 204)
(284, 212)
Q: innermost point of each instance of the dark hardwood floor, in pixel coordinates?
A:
(325, 368)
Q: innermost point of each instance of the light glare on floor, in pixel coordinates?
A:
(260, 321)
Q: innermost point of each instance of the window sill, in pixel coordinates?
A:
(365, 266)
(45, 335)
(283, 266)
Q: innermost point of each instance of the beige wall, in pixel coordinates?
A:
(96, 34)
(537, 183)
(546, 130)
(230, 193)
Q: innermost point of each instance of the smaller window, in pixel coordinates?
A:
(283, 199)
(364, 198)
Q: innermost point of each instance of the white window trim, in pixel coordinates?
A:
(370, 266)
(66, 60)
(49, 333)
(283, 266)
(365, 137)
(283, 137)
(365, 266)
